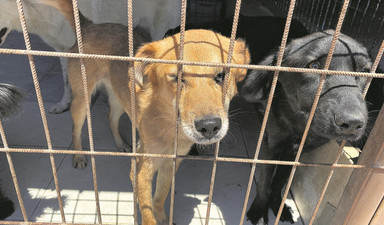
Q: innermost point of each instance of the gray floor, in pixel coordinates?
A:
(34, 172)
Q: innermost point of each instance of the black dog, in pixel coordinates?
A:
(10, 102)
(341, 112)
(263, 35)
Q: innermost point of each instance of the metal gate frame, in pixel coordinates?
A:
(366, 174)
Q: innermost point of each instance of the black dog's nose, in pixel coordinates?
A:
(350, 123)
(208, 127)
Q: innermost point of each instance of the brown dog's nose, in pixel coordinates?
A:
(208, 127)
(350, 123)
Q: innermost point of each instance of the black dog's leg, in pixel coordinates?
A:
(279, 180)
(259, 207)
(6, 206)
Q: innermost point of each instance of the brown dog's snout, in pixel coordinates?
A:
(208, 127)
(350, 124)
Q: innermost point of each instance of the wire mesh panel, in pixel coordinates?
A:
(363, 20)
(343, 16)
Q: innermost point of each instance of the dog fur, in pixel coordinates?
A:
(99, 72)
(340, 114)
(10, 103)
(50, 25)
(155, 16)
(10, 100)
(203, 116)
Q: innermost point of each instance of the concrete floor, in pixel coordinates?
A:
(34, 172)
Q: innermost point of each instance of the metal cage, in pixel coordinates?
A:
(339, 15)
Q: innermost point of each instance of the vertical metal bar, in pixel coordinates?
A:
(132, 81)
(301, 6)
(332, 15)
(366, 185)
(41, 105)
(310, 15)
(320, 14)
(326, 15)
(86, 96)
(321, 84)
(373, 69)
(268, 107)
(178, 95)
(313, 20)
(306, 12)
(13, 173)
(362, 18)
(379, 32)
(371, 22)
(340, 151)
(354, 15)
(224, 102)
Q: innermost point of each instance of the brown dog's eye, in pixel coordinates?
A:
(314, 65)
(176, 78)
(220, 77)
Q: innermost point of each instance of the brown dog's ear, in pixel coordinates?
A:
(142, 69)
(241, 56)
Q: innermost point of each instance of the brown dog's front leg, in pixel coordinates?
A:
(144, 178)
(163, 185)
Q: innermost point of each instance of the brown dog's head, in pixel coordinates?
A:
(204, 118)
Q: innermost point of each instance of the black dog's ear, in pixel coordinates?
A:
(256, 85)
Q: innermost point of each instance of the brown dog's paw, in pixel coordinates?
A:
(79, 161)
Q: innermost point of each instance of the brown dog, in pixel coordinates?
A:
(203, 117)
(103, 39)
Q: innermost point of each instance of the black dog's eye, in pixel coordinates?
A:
(314, 65)
(220, 77)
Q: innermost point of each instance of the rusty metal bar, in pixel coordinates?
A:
(225, 65)
(178, 95)
(224, 94)
(371, 21)
(87, 105)
(180, 62)
(132, 80)
(269, 104)
(326, 15)
(312, 112)
(203, 158)
(332, 169)
(13, 173)
(41, 105)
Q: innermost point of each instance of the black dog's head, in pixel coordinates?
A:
(341, 112)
